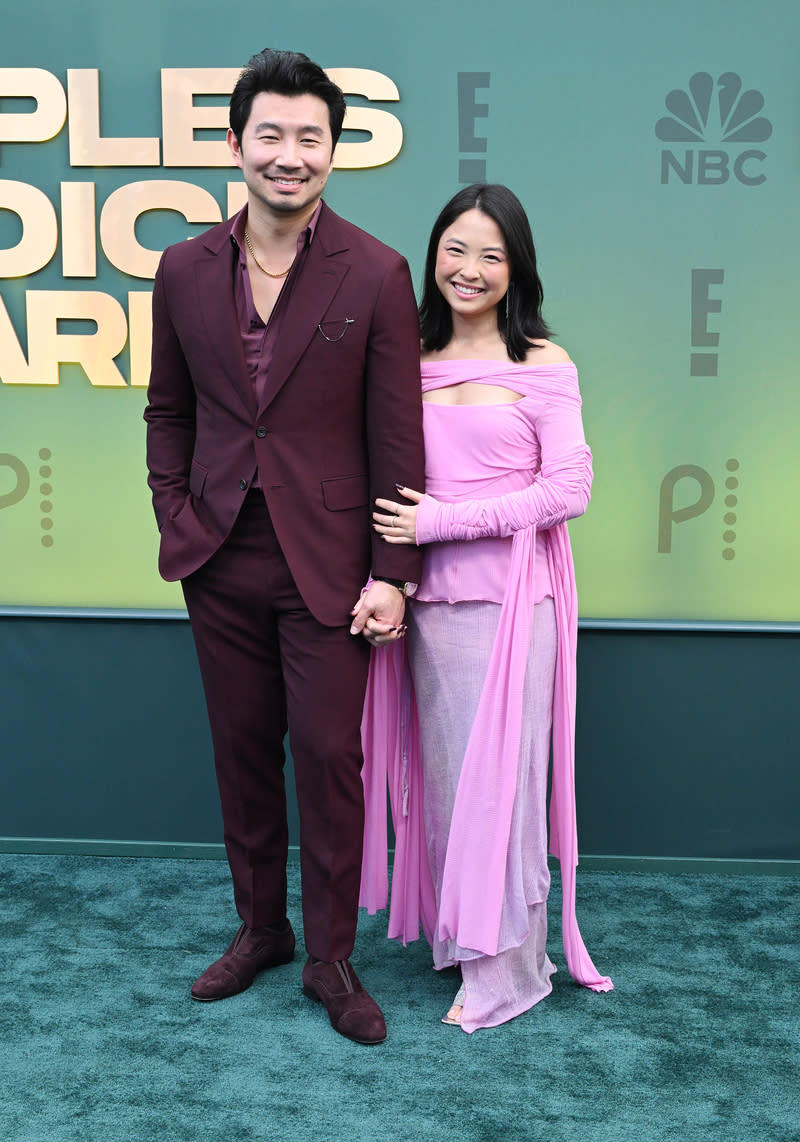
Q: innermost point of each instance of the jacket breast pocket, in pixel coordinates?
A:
(335, 329)
(197, 479)
(345, 492)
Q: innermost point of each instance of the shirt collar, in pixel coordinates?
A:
(304, 238)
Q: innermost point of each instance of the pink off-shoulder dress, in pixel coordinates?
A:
(459, 722)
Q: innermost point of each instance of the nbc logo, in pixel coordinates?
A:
(696, 117)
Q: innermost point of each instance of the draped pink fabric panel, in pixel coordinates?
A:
(471, 898)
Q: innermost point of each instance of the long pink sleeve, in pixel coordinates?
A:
(560, 491)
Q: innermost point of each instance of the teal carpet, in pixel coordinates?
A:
(99, 1041)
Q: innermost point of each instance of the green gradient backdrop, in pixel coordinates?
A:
(573, 97)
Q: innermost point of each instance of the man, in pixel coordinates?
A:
(284, 397)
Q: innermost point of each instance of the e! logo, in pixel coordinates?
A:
(471, 170)
(669, 514)
(704, 364)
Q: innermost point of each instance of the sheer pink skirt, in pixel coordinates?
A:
(449, 648)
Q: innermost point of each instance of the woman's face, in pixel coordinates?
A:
(472, 267)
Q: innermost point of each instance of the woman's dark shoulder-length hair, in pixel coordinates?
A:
(524, 323)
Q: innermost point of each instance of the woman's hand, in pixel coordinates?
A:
(397, 523)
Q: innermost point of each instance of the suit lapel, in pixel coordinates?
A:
(322, 274)
(217, 310)
(313, 292)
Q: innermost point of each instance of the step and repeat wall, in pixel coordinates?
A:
(657, 151)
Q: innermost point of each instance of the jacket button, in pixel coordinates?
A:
(261, 432)
(243, 485)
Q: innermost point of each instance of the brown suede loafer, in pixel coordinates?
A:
(252, 950)
(353, 1012)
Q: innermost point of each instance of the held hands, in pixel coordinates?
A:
(378, 614)
(397, 523)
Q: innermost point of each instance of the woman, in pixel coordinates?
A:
(491, 630)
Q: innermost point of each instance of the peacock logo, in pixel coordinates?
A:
(731, 119)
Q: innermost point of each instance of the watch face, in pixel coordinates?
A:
(406, 587)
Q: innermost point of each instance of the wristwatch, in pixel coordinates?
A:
(401, 584)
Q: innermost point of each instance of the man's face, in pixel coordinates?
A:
(286, 152)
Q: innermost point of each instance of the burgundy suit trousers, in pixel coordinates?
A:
(267, 665)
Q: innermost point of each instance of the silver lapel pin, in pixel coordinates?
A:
(347, 321)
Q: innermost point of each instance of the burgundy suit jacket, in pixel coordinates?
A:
(340, 424)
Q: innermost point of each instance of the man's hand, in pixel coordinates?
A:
(378, 614)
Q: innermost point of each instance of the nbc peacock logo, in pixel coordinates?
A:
(727, 122)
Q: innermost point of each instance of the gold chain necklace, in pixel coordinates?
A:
(249, 245)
